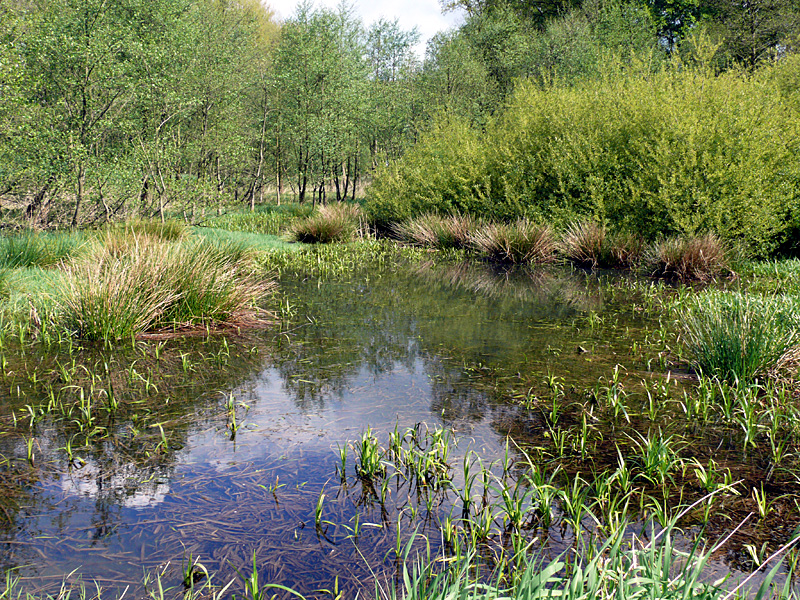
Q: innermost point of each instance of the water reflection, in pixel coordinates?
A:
(221, 449)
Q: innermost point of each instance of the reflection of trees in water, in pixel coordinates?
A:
(553, 294)
(452, 395)
(396, 319)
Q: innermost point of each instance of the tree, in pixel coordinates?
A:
(80, 70)
(320, 74)
(455, 79)
(752, 30)
(392, 74)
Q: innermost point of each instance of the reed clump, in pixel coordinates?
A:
(435, 231)
(585, 243)
(339, 222)
(519, 242)
(687, 258)
(124, 287)
(737, 336)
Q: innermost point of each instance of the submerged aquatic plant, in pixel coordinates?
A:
(739, 336)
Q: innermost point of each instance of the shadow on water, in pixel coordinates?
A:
(150, 457)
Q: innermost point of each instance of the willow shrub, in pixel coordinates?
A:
(444, 173)
(676, 151)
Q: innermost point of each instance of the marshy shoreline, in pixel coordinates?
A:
(410, 423)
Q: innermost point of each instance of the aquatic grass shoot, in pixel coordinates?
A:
(738, 336)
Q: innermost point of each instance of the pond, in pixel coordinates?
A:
(121, 465)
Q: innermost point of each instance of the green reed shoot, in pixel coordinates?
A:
(370, 456)
(318, 509)
(341, 466)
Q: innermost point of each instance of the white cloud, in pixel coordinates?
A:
(425, 15)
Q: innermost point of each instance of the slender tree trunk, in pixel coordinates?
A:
(355, 177)
(79, 194)
(278, 166)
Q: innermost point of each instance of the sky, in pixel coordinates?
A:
(425, 15)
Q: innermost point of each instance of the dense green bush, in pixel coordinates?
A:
(444, 173)
(666, 152)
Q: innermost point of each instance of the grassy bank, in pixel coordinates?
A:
(127, 280)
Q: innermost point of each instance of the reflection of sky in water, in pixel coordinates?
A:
(124, 484)
(274, 426)
(381, 356)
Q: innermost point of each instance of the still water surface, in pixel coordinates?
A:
(439, 346)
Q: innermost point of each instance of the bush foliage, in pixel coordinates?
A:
(675, 151)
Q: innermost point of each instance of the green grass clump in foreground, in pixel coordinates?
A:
(128, 284)
(739, 336)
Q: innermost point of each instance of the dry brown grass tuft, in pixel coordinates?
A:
(584, 243)
(687, 258)
(434, 231)
(340, 222)
(519, 242)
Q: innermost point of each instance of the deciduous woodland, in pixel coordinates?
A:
(658, 118)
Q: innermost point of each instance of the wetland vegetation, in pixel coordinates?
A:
(408, 423)
(286, 311)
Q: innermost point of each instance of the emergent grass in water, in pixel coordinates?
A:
(502, 421)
